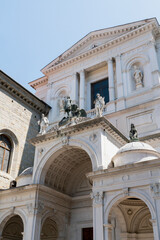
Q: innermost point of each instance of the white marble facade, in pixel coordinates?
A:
(86, 175)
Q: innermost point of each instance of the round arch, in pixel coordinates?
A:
(141, 58)
(11, 213)
(41, 169)
(134, 194)
(14, 142)
(59, 218)
(62, 90)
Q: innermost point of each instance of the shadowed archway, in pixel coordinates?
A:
(130, 219)
(67, 172)
(13, 229)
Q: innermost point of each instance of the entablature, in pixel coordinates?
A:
(80, 127)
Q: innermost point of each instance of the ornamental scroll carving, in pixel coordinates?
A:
(97, 198)
(155, 188)
(65, 140)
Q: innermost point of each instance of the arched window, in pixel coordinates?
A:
(5, 152)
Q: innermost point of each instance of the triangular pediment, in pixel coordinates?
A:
(96, 39)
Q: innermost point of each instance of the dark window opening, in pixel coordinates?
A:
(5, 151)
(102, 88)
(87, 233)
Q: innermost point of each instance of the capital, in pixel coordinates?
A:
(118, 57)
(110, 60)
(155, 189)
(97, 198)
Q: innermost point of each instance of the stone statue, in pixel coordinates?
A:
(138, 76)
(133, 134)
(73, 113)
(67, 105)
(44, 122)
(99, 105)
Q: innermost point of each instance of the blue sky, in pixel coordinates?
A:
(34, 32)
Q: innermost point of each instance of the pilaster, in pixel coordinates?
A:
(97, 198)
(111, 80)
(120, 90)
(82, 89)
(155, 191)
(111, 104)
(108, 228)
(75, 89)
(154, 62)
(33, 225)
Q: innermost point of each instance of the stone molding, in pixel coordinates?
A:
(88, 124)
(59, 64)
(22, 94)
(39, 81)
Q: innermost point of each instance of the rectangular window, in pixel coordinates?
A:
(100, 87)
(87, 233)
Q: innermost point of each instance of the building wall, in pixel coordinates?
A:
(19, 122)
(142, 49)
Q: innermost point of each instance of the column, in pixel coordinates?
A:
(50, 102)
(97, 215)
(75, 89)
(155, 191)
(111, 80)
(33, 225)
(82, 89)
(48, 98)
(155, 230)
(108, 228)
(154, 63)
(120, 91)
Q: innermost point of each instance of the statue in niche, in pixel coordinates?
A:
(138, 77)
(44, 122)
(99, 105)
(133, 135)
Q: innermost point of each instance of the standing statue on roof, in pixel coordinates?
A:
(133, 135)
(99, 105)
(44, 122)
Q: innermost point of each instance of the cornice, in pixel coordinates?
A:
(22, 94)
(39, 81)
(120, 39)
(80, 127)
(128, 168)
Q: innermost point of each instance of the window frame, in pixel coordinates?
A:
(10, 153)
(94, 82)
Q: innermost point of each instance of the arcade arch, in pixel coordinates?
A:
(129, 218)
(49, 229)
(13, 228)
(66, 171)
